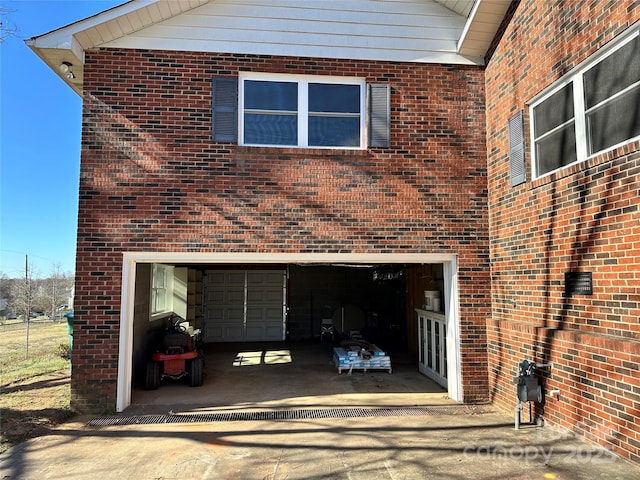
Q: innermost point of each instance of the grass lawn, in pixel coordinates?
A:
(34, 383)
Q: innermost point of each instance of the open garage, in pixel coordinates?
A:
(260, 314)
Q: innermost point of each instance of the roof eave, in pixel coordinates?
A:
(55, 57)
(482, 25)
(62, 45)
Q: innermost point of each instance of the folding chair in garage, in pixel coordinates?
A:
(326, 328)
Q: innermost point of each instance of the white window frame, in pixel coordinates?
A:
(576, 76)
(303, 82)
(164, 272)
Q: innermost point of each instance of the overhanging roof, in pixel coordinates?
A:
(481, 27)
(68, 44)
(461, 32)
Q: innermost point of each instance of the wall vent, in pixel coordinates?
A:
(578, 283)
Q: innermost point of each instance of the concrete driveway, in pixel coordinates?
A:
(380, 443)
(287, 414)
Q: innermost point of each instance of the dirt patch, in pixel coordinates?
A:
(34, 380)
(30, 408)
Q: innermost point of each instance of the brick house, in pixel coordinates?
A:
(350, 157)
(563, 209)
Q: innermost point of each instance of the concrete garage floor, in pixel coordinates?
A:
(289, 375)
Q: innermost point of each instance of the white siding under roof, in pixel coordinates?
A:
(396, 30)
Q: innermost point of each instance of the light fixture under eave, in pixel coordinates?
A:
(65, 68)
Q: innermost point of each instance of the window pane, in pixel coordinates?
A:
(554, 111)
(325, 97)
(270, 129)
(262, 95)
(154, 301)
(437, 346)
(613, 74)
(160, 277)
(334, 131)
(615, 122)
(556, 150)
(160, 297)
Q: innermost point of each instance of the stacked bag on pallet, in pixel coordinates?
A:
(358, 357)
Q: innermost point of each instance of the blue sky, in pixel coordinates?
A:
(40, 121)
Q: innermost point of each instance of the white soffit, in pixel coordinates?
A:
(482, 25)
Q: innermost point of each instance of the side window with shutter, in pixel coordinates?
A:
(225, 109)
(517, 168)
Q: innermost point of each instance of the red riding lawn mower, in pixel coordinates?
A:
(179, 356)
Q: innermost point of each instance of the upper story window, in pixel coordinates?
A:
(302, 112)
(591, 110)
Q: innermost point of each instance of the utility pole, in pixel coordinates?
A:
(28, 292)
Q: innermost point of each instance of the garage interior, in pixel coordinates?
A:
(266, 337)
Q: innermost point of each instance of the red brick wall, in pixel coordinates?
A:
(583, 218)
(152, 180)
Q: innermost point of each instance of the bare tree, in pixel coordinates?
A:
(5, 294)
(24, 294)
(52, 295)
(57, 291)
(7, 28)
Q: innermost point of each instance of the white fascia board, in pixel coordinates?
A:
(467, 25)
(61, 37)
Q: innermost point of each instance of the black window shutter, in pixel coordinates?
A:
(225, 109)
(379, 115)
(517, 169)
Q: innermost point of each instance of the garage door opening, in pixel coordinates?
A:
(274, 306)
(257, 303)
